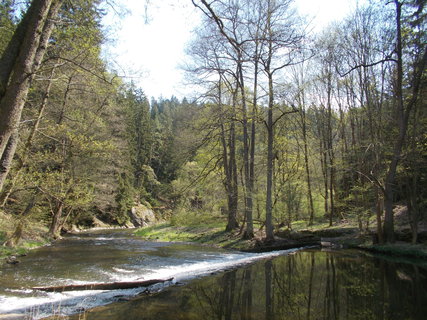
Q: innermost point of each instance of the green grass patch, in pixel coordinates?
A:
(169, 232)
(303, 225)
(22, 249)
(152, 230)
(189, 218)
(33, 235)
(212, 233)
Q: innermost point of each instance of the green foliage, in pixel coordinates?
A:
(199, 192)
(125, 199)
(100, 146)
(65, 156)
(173, 136)
(7, 23)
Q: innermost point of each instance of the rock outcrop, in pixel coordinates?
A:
(141, 216)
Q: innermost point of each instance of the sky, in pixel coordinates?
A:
(147, 43)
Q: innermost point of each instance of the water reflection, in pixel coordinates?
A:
(307, 285)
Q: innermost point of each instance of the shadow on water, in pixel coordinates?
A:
(306, 285)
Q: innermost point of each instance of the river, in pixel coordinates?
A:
(210, 283)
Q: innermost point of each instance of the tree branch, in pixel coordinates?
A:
(294, 110)
(363, 65)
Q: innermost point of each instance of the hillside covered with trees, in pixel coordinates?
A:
(291, 125)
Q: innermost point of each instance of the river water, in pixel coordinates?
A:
(210, 283)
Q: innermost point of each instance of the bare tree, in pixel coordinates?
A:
(213, 63)
(282, 36)
(230, 23)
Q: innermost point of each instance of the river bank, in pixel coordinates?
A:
(19, 236)
(341, 235)
(31, 237)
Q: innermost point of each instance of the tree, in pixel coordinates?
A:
(67, 143)
(326, 119)
(282, 37)
(18, 63)
(298, 77)
(406, 56)
(414, 71)
(139, 133)
(224, 93)
(364, 93)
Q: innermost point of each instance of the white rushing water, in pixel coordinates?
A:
(153, 261)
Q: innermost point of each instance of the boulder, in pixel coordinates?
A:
(141, 216)
(98, 224)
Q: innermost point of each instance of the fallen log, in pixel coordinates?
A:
(102, 286)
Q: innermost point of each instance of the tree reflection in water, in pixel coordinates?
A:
(306, 285)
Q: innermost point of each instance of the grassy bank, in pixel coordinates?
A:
(33, 236)
(212, 234)
(342, 234)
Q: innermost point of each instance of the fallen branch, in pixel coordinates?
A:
(102, 286)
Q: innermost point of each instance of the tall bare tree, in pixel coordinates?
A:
(230, 23)
(282, 36)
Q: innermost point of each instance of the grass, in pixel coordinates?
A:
(33, 236)
(211, 232)
(207, 230)
(167, 232)
(20, 250)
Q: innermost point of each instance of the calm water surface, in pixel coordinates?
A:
(212, 284)
(306, 285)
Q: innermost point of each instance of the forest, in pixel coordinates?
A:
(290, 126)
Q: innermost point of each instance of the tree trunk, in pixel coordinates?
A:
(307, 167)
(379, 213)
(102, 286)
(231, 174)
(31, 38)
(323, 163)
(7, 157)
(234, 193)
(270, 160)
(391, 173)
(249, 232)
(403, 119)
(11, 52)
(55, 225)
(23, 160)
(330, 152)
(251, 186)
